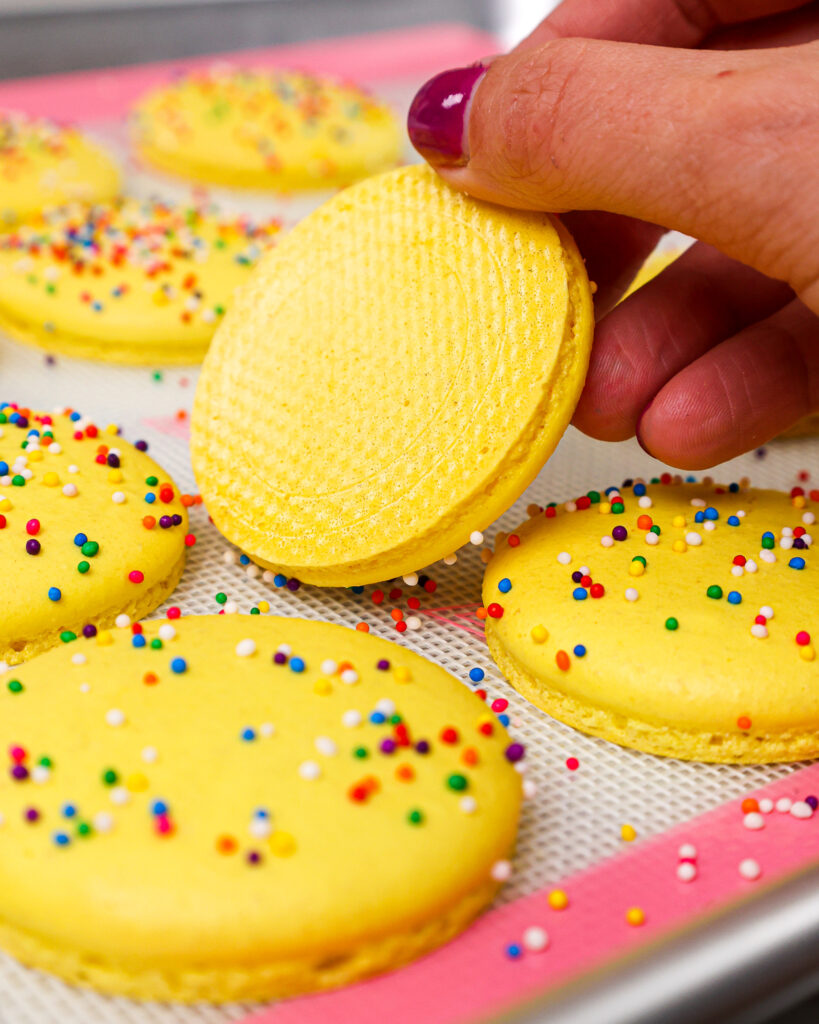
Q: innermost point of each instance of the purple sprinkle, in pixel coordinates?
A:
(89, 631)
(799, 544)
(165, 522)
(141, 446)
(32, 814)
(382, 665)
(422, 747)
(577, 576)
(293, 584)
(19, 772)
(279, 658)
(619, 533)
(254, 857)
(33, 546)
(387, 746)
(811, 801)
(176, 519)
(113, 460)
(22, 421)
(514, 752)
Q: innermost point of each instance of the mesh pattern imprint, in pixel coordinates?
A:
(575, 817)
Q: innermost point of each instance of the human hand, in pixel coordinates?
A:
(697, 115)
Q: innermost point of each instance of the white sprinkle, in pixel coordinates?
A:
(386, 706)
(268, 576)
(72, 469)
(349, 676)
(326, 746)
(309, 770)
(40, 773)
(632, 593)
(85, 687)
(351, 719)
(699, 502)
(693, 539)
(261, 828)
(584, 570)
(709, 525)
(115, 717)
(687, 851)
(253, 571)
(529, 789)
(413, 622)
(607, 541)
(120, 796)
(166, 631)
(78, 659)
(501, 870)
(753, 821)
(784, 804)
(737, 570)
(535, 939)
(787, 531)
(286, 650)
(230, 557)
(751, 566)
(750, 869)
(149, 755)
(118, 497)
(450, 559)
(329, 667)
(476, 538)
(766, 555)
(411, 580)
(740, 513)
(652, 538)
(767, 611)
(122, 621)
(801, 809)
(468, 804)
(266, 729)
(231, 607)
(103, 821)
(645, 502)
(686, 872)
(564, 558)
(808, 518)
(807, 540)
(786, 543)
(2, 816)
(766, 805)
(70, 490)
(246, 647)
(55, 448)
(759, 631)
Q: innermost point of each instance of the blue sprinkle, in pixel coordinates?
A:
(248, 734)
(69, 810)
(74, 417)
(243, 559)
(733, 520)
(699, 517)
(612, 490)
(61, 839)
(279, 580)
(733, 488)
(514, 951)
(159, 807)
(357, 590)
(54, 593)
(377, 718)
(580, 651)
(768, 535)
(504, 720)
(297, 664)
(4, 469)
(711, 513)
(261, 812)
(505, 585)
(476, 674)
(80, 539)
(179, 665)
(138, 640)
(797, 563)
(580, 593)
(639, 490)
(97, 307)
(734, 597)
(150, 497)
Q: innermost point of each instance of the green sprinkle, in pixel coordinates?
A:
(15, 686)
(639, 558)
(67, 636)
(90, 548)
(655, 529)
(156, 644)
(151, 481)
(46, 762)
(395, 719)
(20, 481)
(594, 497)
(361, 752)
(671, 623)
(109, 777)
(221, 598)
(157, 375)
(415, 818)
(255, 611)
(714, 591)
(83, 567)
(457, 782)
(767, 542)
(618, 507)
(83, 829)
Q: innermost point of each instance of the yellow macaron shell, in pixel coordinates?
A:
(259, 874)
(56, 588)
(279, 130)
(43, 164)
(129, 282)
(390, 380)
(675, 660)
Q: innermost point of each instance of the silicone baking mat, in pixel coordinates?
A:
(584, 790)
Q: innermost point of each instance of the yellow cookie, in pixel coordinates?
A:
(91, 529)
(125, 282)
(678, 619)
(392, 378)
(267, 129)
(242, 807)
(43, 164)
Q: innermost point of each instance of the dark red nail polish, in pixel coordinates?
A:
(436, 117)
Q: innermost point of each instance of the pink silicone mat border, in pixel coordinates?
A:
(473, 976)
(106, 94)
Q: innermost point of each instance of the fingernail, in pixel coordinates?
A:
(436, 121)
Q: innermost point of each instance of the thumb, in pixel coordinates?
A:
(717, 145)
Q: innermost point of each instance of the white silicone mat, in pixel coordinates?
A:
(574, 819)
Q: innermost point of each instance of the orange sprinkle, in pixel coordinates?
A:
(644, 522)
(481, 613)
(749, 806)
(397, 614)
(562, 659)
(226, 845)
(744, 723)
(150, 678)
(148, 522)
(188, 500)
(470, 756)
(405, 773)
(362, 627)
(513, 540)
(343, 666)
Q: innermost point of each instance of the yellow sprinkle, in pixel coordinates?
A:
(540, 634)
(486, 720)
(628, 833)
(635, 917)
(160, 298)
(533, 510)
(807, 653)
(5, 504)
(322, 687)
(51, 479)
(263, 606)
(486, 555)
(604, 507)
(282, 844)
(402, 674)
(558, 900)
(114, 476)
(679, 521)
(636, 569)
(104, 638)
(112, 428)
(35, 456)
(679, 545)
(136, 783)
(799, 501)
